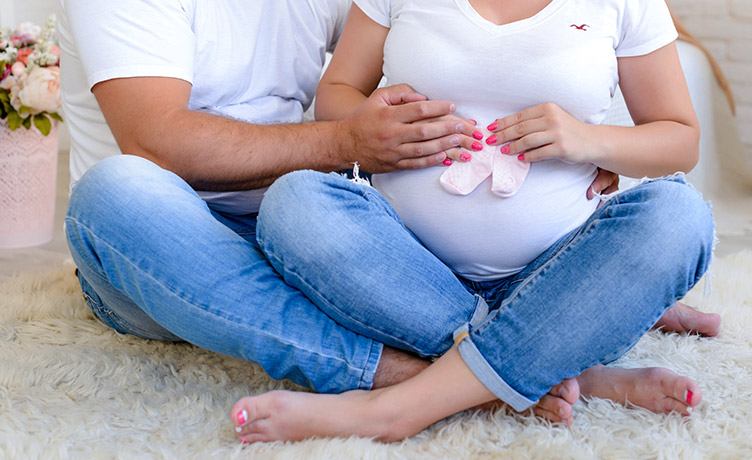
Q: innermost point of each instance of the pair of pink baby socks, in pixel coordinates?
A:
(506, 171)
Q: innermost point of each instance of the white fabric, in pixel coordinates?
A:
(255, 61)
(564, 54)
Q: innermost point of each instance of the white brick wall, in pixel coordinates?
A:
(725, 28)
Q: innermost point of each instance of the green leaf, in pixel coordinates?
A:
(4, 96)
(43, 124)
(14, 121)
(24, 109)
(54, 115)
(27, 123)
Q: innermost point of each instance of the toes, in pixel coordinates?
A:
(555, 405)
(246, 412)
(684, 390)
(568, 390)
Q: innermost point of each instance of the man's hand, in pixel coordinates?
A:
(604, 183)
(393, 130)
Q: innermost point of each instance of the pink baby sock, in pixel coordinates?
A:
(461, 178)
(508, 174)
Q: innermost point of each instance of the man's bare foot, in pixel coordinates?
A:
(657, 389)
(556, 406)
(683, 318)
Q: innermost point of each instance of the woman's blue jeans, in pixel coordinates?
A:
(156, 262)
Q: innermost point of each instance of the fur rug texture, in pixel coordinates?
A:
(72, 388)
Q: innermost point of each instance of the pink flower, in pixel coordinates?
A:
(6, 72)
(41, 90)
(17, 68)
(23, 55)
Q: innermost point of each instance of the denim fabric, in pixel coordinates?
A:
(587, 300)
(156, 262)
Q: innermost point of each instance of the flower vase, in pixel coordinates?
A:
(28, 173)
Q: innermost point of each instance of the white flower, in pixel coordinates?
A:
(40, 90)
(29, 31)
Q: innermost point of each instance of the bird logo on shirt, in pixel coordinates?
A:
(583, 27)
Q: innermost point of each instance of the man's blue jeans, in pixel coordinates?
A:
(156, 262)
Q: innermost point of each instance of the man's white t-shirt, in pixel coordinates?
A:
(566, 54)
(256, 61)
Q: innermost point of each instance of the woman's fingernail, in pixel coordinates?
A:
(491, 140)
(505, 149)
(474, 122)
(690, 395)
(478, 135)
(242, 417)
(493, 126)
(477, 146)
(448, 162)
(521, 157)
(466, 157)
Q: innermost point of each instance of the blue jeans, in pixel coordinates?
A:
(587, 300)
(154, 261)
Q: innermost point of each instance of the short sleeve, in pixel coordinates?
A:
(132, 38)
(646, 27)
(378, 10)
(336, 21)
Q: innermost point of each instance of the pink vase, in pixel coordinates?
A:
(28, 172)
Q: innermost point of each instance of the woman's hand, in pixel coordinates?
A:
(542, 132)
(470, 139)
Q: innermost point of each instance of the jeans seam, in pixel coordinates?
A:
(190, 304)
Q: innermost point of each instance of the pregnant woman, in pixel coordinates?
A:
(542, 285)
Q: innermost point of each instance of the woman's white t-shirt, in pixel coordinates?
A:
(566, 54)
(256, 61)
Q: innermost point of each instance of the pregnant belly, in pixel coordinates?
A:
(481, 236)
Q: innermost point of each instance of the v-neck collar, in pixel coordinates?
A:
(496, 29)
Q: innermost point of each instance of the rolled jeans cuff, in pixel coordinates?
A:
(372, 363)
(487, 375)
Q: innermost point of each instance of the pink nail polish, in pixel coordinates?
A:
(493, 126)
(690, 395)
(242, 417)
(478, 135)
(243, 441)
(505, 149)
(491, 140)
(466, 157)
(474, 122)
(477, 146)
(521, 157)
(448, 162)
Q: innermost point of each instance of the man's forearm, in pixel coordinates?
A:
(211, 152)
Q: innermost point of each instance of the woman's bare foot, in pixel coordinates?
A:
(657, 389)
(683, 318)
(293, 416)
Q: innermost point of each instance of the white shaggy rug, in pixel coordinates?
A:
(72, 388)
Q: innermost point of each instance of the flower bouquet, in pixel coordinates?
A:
(30, 76)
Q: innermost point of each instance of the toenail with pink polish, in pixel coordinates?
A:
(690, 395)
(242, 417)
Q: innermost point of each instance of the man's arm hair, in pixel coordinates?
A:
(149, 117)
